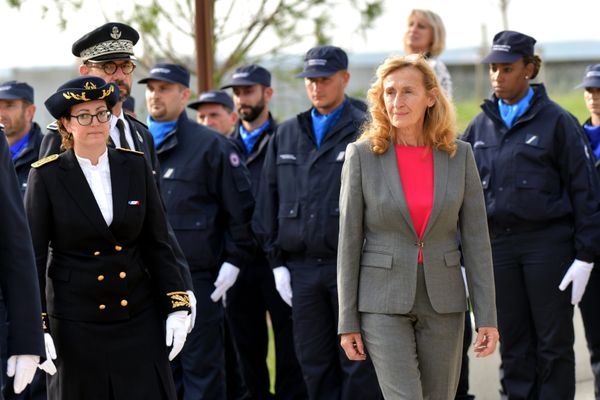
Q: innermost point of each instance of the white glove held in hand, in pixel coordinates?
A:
(192, 316)
(226, 278)
(22, 367)
(283, 283)
(578, 273)
(177, 329)
(48, 366)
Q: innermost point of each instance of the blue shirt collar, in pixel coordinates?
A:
(17, 147)
(593, 134)
(250, 138)
(322, 124)
(511, 112)
(159, 130)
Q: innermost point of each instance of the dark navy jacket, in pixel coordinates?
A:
(28, 156)
(537, 174)
(143, 142)
(297, 210)
(207, 194)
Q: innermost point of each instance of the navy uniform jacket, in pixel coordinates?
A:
(207, 194)
(100, 273)
(18, 280)
(538, 173)
(143, 142)
(27, 156)
(297, 209)
(254, 161)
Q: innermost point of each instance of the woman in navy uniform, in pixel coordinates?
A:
(109, 275)
(542, 208)
(591, 299)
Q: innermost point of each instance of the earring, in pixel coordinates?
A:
(526, 77)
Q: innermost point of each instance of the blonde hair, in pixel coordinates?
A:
(438, 42)
(439, 125)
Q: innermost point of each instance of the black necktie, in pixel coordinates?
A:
(122, 139)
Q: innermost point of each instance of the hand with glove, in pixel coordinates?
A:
(177, 329)
(48, 365)
(192, 315)
(226, 279)
(22, 367)
(579, 274)
(283, 283)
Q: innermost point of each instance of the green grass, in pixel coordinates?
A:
(572, 102)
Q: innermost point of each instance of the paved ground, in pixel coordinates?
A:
(484, 372)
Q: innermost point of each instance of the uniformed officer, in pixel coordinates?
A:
(209, 203)
(107, 52)
(591, 298)
(214, 109)
(254, 293)
(297, 217)
(112, 279)
(18, 280)
(24, 136)
(542, 204)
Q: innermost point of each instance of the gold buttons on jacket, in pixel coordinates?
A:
(100, 278)
(96, 253)
(118, 248)
(122, 274)
(101, 306)
(124, 303)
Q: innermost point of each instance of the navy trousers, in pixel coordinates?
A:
(535, 318)
(591, 321)
(328, 373)
(248, 302)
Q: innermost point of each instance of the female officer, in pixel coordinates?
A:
(591, 299)
(100, 238)
(542, 216)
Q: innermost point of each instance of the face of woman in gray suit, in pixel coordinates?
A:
(406, 100)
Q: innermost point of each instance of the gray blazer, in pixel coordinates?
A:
(378, 245)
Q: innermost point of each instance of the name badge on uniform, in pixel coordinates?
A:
(532, 140)
(478, 143)
(169, 173)
(340, 156)
(133, 202)
(287, 157)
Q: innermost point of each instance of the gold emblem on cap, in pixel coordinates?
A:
(115, 34)
(71, 95)
(106, 92)
(89, 85)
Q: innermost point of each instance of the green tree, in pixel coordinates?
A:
(238, 23)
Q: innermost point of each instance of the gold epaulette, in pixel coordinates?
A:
(45, 161)
(141, 153)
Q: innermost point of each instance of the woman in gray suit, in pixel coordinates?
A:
(410, 196)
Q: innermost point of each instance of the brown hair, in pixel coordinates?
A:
(438, 42)
(537, 64)
(439, 125)
(66, 138)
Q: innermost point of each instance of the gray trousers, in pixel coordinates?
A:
(416, 356)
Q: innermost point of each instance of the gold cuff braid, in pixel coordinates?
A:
(179, 301)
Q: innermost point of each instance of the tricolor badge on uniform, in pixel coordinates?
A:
(133, 202)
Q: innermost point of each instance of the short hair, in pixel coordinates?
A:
(439, 125)
(437, 27)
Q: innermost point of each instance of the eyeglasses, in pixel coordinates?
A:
(110, 67)
(86, 119)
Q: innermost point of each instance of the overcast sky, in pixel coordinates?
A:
(28, 40)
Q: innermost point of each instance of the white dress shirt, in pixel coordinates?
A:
(98, 178)
(114, 131)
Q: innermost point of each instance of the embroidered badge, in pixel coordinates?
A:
(234, 160)
(133, 202)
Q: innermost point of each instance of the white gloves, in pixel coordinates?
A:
(48, 365)
(578, 273)
(22, 367)
(192, 315)
(283, 283)
(177, 329)
(226, 278)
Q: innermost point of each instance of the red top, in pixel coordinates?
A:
(415, 165)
